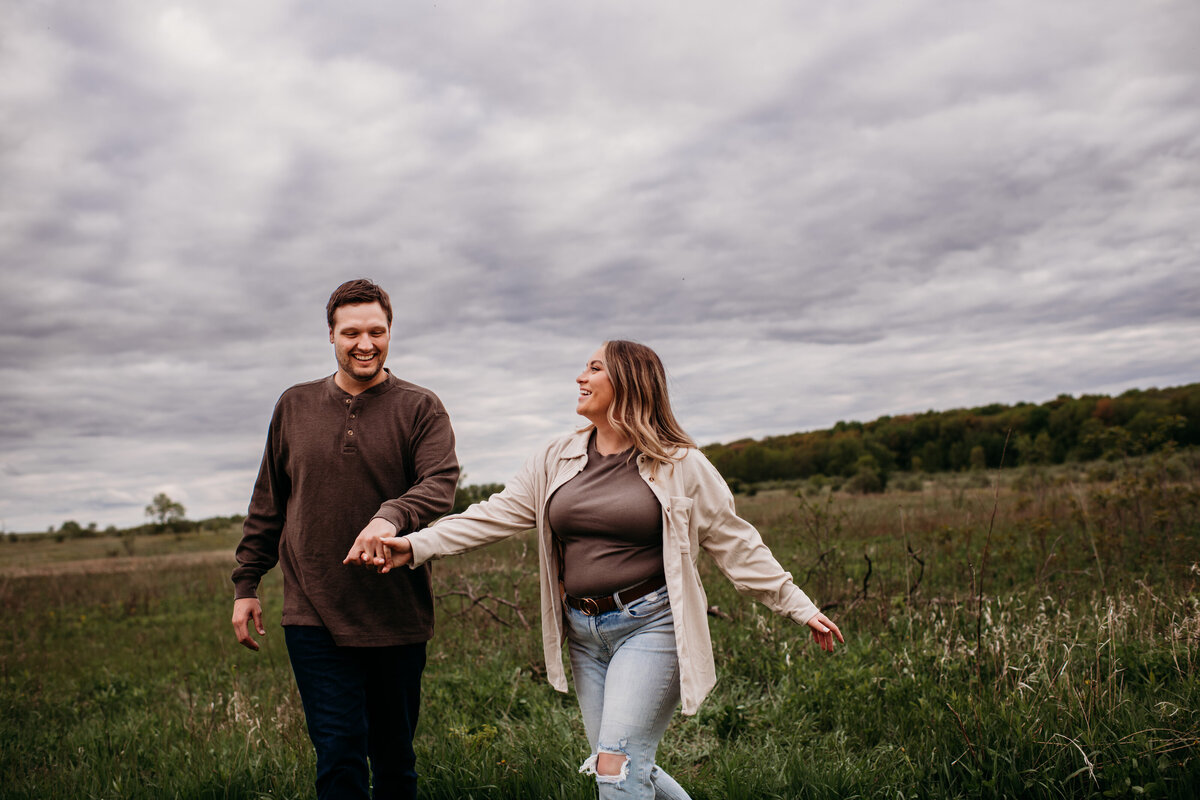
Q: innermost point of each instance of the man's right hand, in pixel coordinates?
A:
(245, 611)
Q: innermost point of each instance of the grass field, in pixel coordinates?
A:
(1037, 639)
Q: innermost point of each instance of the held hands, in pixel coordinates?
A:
(823, 631)
(378, 547)
(368, 548)
(399, 552)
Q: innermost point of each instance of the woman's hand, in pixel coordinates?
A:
(399, 552)
(823, 631)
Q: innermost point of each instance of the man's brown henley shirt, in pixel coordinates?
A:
(332, 462)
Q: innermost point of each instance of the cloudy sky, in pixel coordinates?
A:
(814, 211)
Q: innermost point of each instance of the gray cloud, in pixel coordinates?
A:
(813, 212)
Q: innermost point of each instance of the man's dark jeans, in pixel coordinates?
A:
(360, 703)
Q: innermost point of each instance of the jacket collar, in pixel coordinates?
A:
(576, 446)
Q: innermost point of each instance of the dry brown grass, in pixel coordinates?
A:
(99, 565)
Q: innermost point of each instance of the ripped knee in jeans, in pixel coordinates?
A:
(608, 764)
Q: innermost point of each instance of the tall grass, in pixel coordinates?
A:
(1054, 682)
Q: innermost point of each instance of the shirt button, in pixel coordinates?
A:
(347, 401)
(349, 433)
(354, 416)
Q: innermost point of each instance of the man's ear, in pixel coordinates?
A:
(331, 335)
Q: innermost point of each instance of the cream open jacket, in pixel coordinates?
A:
(698, 513)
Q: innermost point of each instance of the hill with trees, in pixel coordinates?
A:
(1064, 429)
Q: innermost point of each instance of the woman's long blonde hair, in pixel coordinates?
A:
(641, 408)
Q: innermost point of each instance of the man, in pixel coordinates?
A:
(360, 452)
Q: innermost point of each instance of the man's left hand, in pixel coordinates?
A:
(368, 549)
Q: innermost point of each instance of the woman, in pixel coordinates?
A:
(622, 509)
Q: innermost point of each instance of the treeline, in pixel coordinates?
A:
(168, 517)
(1064, 429)
(73, 530)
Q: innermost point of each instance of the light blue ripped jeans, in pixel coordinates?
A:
(626, 674)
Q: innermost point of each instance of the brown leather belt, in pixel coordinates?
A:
(594, 606)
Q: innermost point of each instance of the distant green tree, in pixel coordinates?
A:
(466, 496)
(1043, 449)
(868, 478)
(978, 457)
(1021, 449)
(164, 510)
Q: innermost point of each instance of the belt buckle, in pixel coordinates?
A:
(589, 606)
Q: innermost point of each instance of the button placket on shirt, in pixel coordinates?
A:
(348, 443)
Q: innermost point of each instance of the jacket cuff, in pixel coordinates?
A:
(802, 617)
(422, 548)
(244, 589)
(800, 607)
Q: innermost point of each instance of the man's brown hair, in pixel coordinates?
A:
(360, 290)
